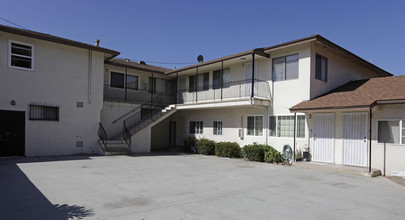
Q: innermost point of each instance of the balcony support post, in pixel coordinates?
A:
(177, 88)
(253, 74)
(196, 86)
(125, 84)
(221, 79)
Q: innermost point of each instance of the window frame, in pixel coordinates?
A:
(10, 55)
(217, 130)
(296, 128)
(316, 67)
(198, 127)
(254, 122)
(285, 78)
(401, 123)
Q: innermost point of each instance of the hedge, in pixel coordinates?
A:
(273, 156)
(254, 152)
(189, 143)
(227, 149)
(205, 146)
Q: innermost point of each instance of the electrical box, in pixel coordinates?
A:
(240, 132)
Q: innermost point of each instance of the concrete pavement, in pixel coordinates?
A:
(187, 187)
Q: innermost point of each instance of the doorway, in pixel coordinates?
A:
(12, 133)
(323, 138)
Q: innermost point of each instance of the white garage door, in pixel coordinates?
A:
(355, 139)
(323, 138)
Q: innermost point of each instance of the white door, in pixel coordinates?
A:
(323, 138)
(248, 77)
(355, 139)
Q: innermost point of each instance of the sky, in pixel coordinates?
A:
(172, 33)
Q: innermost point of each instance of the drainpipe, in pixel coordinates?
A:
(89, 71)
(369, 159)
(295, 128)
(177, 87)
(253, 75)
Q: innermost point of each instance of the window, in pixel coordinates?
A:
(285, 68)
(117, 80)
(21, 55)
(161, 86)
(191, 84)
(217, 127)
(182, 84)
(321, 68)
(203, 81)
(44, 113)
(255, 125)
(196, 127)
(283, 126)
(391, 131)
(216, 79)
(132, 82)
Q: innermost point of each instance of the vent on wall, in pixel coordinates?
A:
(79, 143)
(79, 104)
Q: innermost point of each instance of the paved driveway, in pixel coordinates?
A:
(187, 187)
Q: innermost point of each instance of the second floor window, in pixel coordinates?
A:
(21, 55)
(217, 81)
(321, 68)
(285, 68)
(203, 81)
(117, 80)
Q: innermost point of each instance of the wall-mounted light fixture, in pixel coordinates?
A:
(12, 102)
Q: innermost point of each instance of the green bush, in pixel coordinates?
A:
(205, 146)
(189, 143)
(227, 149)
(254, 152)
(273, 156)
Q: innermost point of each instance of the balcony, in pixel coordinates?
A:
(237, 93)
(138, 96)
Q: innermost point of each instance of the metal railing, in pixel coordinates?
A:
(134, 95)
(236, 90)
(102, 134)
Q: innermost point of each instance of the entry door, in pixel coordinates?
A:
(12, 133)
(323, 138)
(248, 81)
(172, 134)
(355, 139)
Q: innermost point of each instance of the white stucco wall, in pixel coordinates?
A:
(341, 70)
(60, 78)
(395, 153)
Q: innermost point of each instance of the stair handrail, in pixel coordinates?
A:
(102, 134)
(148, 103)
(127, 135)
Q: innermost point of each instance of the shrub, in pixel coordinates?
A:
(254, 152)
(189, 143)
(272, 155)
(205, 146)
(227, 149)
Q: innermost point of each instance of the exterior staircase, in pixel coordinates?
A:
(121, 143)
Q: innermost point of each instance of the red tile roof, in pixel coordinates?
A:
(358, 94)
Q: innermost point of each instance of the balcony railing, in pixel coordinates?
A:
(237, 90)
(135, 96)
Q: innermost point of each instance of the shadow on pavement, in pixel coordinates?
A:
(21, 199)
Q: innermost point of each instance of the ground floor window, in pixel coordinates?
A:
(196, 127)
(217, 127)
(391, 131)
(283, 126)
(254, 125)
(44, 113)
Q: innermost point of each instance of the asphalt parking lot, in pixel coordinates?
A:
(187, 187)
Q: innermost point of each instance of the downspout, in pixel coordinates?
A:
(221, 79)
(369, 159)
(253, 74)
(177, 87)
(90, 70)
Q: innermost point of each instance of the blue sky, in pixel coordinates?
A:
(174, 31)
